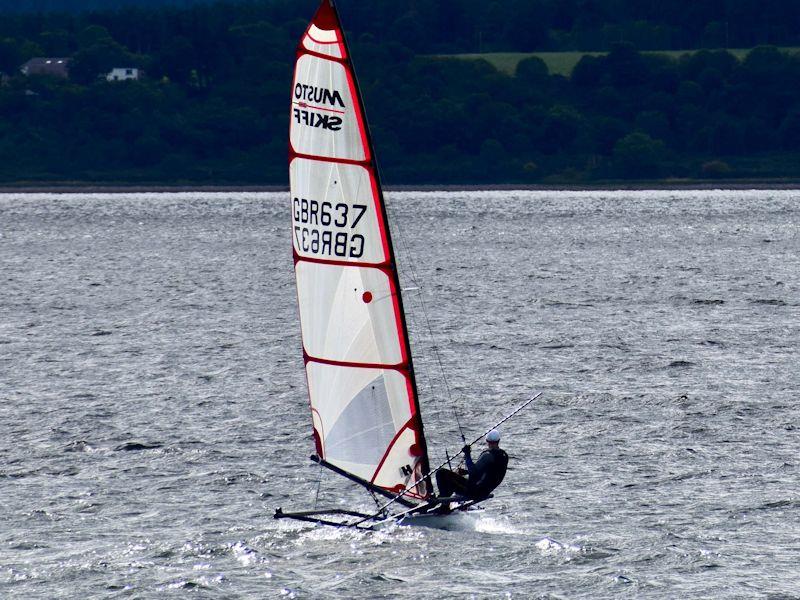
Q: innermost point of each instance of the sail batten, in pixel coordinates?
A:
(365, 410)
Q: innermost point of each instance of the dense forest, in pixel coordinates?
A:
(448, 26)
(213, 106)
(50, 6)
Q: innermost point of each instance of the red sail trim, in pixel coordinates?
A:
(379, 211)
(317, 441)
(303, 50)
(326, 19)
(389, 448)
(319, 438)
(398, 320)
(401, 367)
(316, 41)
(419, 438)
(409, 425)
(344, 161)
(385, 266)
(413, 406)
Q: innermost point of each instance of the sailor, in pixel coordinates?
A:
(484, 475)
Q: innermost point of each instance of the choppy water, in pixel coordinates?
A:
(153, 409)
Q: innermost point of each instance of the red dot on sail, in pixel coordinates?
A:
(415, 450)
(367, 297)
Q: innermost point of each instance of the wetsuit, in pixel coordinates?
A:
(484, 475)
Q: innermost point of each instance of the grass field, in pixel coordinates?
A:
(562, 63)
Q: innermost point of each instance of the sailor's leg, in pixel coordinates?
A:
(450, 483)
(442, 482)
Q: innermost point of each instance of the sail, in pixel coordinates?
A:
(364, 405)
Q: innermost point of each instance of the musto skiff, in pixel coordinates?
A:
(365, 409)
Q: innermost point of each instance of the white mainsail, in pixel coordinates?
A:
(364, 405)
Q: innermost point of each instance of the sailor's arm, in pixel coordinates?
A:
(468, 459)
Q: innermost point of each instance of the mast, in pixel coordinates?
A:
(362, 389)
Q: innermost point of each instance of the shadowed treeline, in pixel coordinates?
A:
(213, 106)
(448, 26)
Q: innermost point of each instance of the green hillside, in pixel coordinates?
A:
(212, 105)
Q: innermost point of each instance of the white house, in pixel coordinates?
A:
(124, 74)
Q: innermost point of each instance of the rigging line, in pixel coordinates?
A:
(422, 362)
(415, 279)
(458, 422)
(319, 485)
(375, 498)
(410, 310)
(432, 337)
(427, 319)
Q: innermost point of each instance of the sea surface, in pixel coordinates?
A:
(153, 410)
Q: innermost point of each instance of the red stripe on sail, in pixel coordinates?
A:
(409, 425)
(340, 263)
(327, 20)
(398, 321)
(419, 440)
(303, 50)
(379, 212)
(389, 448)
(402, 367)
(412, 406)
(342, 49)
(385, 267)
(325, 17)
(316, 41)
(344, 161)
(319, 439)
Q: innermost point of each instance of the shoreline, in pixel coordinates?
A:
(604, 186)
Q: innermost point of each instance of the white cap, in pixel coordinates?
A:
(493, 436)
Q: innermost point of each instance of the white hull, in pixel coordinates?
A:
(455, 521)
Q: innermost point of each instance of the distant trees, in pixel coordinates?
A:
(213, 107)
(449, 26)
(98, 54)
(639, 156)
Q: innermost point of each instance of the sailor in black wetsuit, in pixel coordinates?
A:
(484, 475)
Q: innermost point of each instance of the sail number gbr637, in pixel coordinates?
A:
(338, 220)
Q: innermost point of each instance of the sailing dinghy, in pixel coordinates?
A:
(365, 412)
(363, 396)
